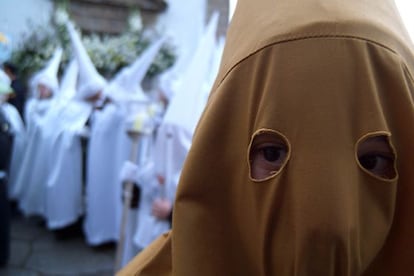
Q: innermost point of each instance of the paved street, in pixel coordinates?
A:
(36, 251)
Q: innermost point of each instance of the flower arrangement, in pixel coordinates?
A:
(108, 53)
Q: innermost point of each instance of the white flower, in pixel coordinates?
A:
(135, 21)
(61, 16)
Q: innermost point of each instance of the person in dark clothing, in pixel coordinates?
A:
(6, 142)
(5, 154)
(19, 98)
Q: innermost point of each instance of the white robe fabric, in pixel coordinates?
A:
(62, 142)
(32, 175)
(109, 147)
(175, 133)
(63, 186)
(169, 151)
(52, 169)
(19, 140)
(34, 110)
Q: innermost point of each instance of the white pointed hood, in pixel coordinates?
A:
(405, 9)
(176, 131)
(187, 105)
(68, 82)
(185, 37)
(90, 81)
(127, 83)
(48, 75)
(232, 8)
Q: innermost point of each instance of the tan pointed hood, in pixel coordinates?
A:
(287, 20)
(320, 77)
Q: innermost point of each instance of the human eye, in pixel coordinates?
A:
(376, 155)
(268, 152)
(271, 153)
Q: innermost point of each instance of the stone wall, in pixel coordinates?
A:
(100, 16)
(110, 16)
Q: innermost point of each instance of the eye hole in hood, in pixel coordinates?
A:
(269, 151)
(376, 156)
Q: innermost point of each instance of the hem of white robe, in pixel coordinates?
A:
(28, 212)
(56, 224)
(99, 241)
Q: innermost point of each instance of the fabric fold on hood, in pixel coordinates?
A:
(277, 180)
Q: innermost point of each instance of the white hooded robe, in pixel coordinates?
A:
(109, 147)
(174, 138)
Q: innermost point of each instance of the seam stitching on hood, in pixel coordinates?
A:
(306, 37)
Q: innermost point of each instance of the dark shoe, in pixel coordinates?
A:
(155, 6)
(69, 232)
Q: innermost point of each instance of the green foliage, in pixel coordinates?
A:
(35, 51)
(108, 53)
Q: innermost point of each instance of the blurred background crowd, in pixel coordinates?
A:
(98, 104)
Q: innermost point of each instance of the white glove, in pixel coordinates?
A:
(84, 132)
(129, 172)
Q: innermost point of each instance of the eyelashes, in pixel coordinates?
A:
(377, 157)
(269, 151)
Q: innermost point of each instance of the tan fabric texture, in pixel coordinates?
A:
(155, 260)
(324, 74)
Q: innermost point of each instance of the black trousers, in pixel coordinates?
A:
(4, 223)
(6, 143)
